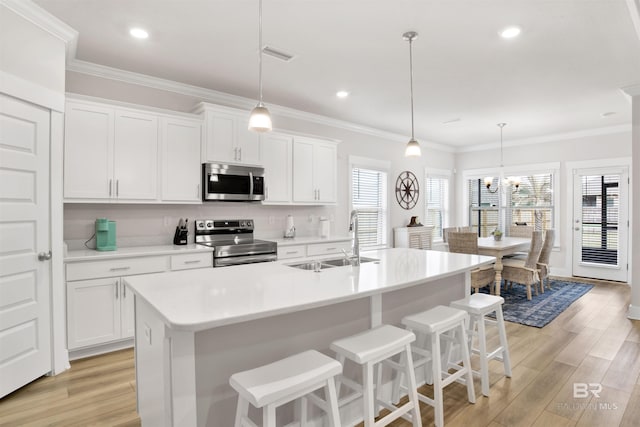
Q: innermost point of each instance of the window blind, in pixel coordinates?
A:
(437, 193)
(369, 198)
(600, 218)
(484, 209)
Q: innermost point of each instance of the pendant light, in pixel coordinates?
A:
(413, 148)
(513, 181)
(260, 119)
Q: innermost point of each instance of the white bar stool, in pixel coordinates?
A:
(432, 325)
(478, 305)
(368, 349)
(286, 380)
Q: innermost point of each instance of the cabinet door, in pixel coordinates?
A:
(220, 142)
(324, 172)
(127, 312)
(277, 167)
(88, 152)
(180, 160)
(303, 187)
(136, 156)
(93, 312)
(248, 143)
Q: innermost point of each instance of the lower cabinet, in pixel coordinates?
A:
(314, 249)
(98, 311)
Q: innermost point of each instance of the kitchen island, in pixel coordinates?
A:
(195, 328)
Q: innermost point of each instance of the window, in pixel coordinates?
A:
(533, 203)
(437, 202)
(369, 198)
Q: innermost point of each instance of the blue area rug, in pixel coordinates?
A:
(542, 308)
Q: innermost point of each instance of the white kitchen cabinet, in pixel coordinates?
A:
(180, 152)
(135, 162)
(93, 312)
(88, 151)
(314, 171)
(227, 138)
(277, 161)
(110, 154)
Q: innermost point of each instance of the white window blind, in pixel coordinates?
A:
(600, 219)
(369, 198)
(437, 194)
(484, 209)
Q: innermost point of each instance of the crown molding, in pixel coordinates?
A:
(549, 138)
(217, 97)
(631, 91)
(43, 19)
(634, 12)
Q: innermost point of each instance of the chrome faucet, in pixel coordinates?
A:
(355, 243)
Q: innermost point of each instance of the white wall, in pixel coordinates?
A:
(615, 145)
(143, 223)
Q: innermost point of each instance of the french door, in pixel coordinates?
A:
(600, 223)
(25, 273)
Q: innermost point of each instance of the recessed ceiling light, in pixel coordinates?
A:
(510, 32)
(138, 33)
(608, 114)
(342, 94)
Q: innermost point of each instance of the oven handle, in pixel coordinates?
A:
(250, 185)
(237, 260)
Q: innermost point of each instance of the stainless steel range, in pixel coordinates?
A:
(233, 242)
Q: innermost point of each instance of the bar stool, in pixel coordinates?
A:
(478, 306)
(369, 349)
(286, 380)
(430, 326)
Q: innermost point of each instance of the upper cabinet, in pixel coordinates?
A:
(227, 138)
(314, 171)
(180, 145)
(278, 166)
(112, 154)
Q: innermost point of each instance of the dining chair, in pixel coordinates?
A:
(466, 242)
(543, 259)
(524, 272)
(520, 230)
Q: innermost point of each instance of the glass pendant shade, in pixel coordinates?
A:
(260, 119)
(412, 149)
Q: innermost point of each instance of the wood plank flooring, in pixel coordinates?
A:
(590, 342)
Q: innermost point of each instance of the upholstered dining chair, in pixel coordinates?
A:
(543, 259)
(524, 272)
(466, 242)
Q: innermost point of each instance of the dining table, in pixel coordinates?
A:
(500, 248)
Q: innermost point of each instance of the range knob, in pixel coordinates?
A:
(209, 225)
(242, 224)
(249, 223)
(199, 225)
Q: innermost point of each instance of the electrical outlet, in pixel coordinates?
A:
(272, 220)
(167, 221)
(147, 333)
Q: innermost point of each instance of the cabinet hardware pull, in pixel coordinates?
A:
(117, 188)
(117, 289)
(119, 268)
(198, 191)
(235, 153)
(110, 186)
(292, 252)
(124, 291)
(240, 153)
(331, 249)
(196, 261)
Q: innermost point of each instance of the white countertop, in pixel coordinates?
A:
(205, 298)
(94, 255)
(309, 240)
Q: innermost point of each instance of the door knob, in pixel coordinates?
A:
(44, 256)
(577, 228)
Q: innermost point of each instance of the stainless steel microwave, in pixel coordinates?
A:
(232, 183)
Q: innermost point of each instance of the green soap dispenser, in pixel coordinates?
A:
(105, 235)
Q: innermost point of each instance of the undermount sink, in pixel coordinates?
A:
(328, 263)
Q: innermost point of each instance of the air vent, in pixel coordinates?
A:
(278, 54)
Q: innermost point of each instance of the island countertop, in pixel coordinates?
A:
(201, 299)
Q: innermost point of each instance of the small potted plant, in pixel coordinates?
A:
(497, 234)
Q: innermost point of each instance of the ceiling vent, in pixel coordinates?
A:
(278, 54)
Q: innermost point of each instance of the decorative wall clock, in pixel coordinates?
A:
(407, 190)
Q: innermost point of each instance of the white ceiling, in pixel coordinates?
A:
(559, 76)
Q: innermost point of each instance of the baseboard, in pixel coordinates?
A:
(100, 349)
(634, 312)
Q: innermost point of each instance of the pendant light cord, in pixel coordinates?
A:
(501, 155)
(260, 50)
(411, 82)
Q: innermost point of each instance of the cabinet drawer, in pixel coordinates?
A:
(116, 267)
(186, 261)
(295, 251)
(328, 248)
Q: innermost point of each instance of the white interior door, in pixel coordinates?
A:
(600, 223)
(25, 322)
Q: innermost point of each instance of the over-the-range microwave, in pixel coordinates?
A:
(232, 183)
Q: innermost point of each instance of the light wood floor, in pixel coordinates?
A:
(590, 342)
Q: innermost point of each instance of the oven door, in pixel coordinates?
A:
(245, 259)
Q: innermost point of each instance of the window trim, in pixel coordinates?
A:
(380, 166)
(447, 175)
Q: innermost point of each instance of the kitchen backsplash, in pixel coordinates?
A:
(142, 225)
